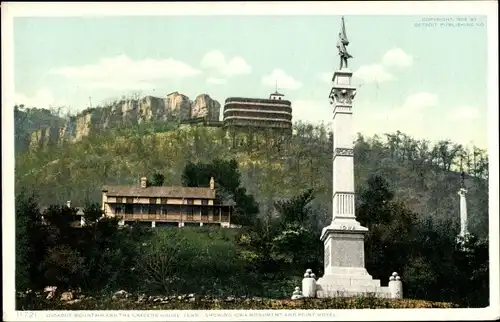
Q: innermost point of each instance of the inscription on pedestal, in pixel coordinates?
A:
(347, 252)
(340, 109)
(343, 152)
(327, 256)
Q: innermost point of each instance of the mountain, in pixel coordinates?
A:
(272, 167)
(38, 128)
(30, 120)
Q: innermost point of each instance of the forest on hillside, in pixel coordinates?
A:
(273, 167)
(264, 258)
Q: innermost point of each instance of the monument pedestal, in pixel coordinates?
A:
(345, 274)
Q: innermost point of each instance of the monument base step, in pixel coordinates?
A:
(381, 293)
(341, 273)
(347, 285)
(348, 281)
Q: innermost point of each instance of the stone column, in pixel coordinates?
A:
(344, 237)
(345, 273)
(463, 212)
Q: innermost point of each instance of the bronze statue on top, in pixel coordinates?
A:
(341, 45)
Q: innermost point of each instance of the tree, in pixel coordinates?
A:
(284, 243)
(29, 242)
(390, 224)
(297, 242)
(51, 250)
(160, 259)
(375, 201)
(173, 259)
(62, 266)
(471, 280)
(227, 184)
(158, 180)
(295, 210)
(109, 251)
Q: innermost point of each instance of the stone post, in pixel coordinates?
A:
(297, 294)
(396, 286)
(309, 284)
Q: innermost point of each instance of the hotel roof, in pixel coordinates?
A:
(158, 192)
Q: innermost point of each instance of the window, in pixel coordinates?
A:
(119, 210)
(130, 200)
(189, 211)
(189, 201)
(164, 201)
(129, 209)
(151, 210)
(204, 202)
(152, 201)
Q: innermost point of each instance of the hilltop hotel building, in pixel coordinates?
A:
(166, 206)
(273, 113)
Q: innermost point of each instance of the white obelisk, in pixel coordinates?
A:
(463, 208)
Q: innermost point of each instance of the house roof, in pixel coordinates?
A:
(157, 192)
(79, 210)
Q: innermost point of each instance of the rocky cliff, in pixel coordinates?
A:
(174, 107)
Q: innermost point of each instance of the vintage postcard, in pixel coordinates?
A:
(305, 161)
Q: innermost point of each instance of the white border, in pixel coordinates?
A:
(11, 10)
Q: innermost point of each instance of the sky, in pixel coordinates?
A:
(426, 78)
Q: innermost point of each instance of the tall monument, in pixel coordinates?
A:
(463, 207)
(344, 272)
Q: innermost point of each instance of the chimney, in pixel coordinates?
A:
(68, 204)
(212, 183)
(144, 182)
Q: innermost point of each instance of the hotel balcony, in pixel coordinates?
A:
(180, 216)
